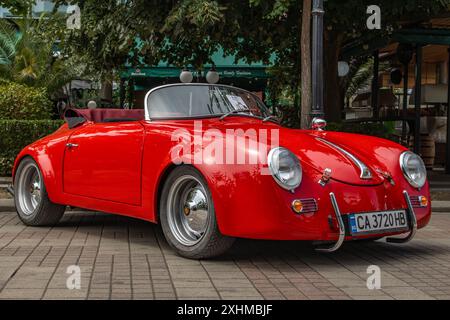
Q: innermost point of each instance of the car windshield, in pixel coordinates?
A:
(186, 101)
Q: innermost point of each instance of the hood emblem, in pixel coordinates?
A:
(365, 173)
(326, 177)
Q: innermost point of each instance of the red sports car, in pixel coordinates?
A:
(210, 163)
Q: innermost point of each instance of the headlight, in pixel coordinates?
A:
(413, 169)
(285, 168)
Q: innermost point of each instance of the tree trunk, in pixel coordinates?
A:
(106, 91)
(305, 56)
(334, 99)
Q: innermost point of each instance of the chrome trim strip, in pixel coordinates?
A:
(341, 238)
(365, 171)
(412, 223)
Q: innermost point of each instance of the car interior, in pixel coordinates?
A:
(75, 117)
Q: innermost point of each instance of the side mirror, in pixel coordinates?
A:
(318, 124)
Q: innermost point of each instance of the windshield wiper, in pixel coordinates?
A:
(235, 112)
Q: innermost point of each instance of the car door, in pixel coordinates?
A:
(104, 161)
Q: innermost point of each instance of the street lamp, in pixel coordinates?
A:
(343, 68)
(186, 76)
(317, 59)
(212, 76)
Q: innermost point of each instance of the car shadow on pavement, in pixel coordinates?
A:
(120, 230)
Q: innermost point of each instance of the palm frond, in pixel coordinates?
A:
(362, 77)
(9, 39)
(28, 58)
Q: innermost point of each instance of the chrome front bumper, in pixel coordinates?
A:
(412, 225)
(10, 190)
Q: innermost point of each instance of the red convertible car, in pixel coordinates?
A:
(210, 164)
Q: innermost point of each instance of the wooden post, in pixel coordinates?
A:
(305, 56)
(130, 92)
(122, 92)
(447, 148)
(317, 59)
(418, 98)
(405, 100)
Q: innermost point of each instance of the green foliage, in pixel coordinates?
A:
(17, 134)
(289, 116)
(28, 56)
(181, 33)
(186, 32)
(9, 38)
(107, 36)
(21, 102)
(349, 16)
(18, 7)
(361, 75)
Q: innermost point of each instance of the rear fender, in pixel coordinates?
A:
(48, 153)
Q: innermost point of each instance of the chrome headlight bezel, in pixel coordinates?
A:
(404, 158)
(274, 168)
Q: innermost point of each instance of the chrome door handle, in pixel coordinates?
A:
(71, 145)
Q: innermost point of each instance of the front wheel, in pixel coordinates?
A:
(32, 203)
(188, 218)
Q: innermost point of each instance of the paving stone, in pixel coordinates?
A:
(121, 258)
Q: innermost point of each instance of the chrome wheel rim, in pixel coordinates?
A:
(188, 210)
(29, 189)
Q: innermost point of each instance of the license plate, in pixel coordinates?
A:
(378, 222)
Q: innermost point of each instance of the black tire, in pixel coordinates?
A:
(212, 243)
(43, 212)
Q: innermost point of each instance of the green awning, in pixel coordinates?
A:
(171, 72)
(226, 66)
(425, 36)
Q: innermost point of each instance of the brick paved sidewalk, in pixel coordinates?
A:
(122, 258)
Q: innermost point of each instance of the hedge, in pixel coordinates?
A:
(16, 134)
(21, 102)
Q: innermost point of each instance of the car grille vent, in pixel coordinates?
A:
(309, 205)
(415, 201)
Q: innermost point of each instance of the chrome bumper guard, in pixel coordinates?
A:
(340, 241)
(412, 223)
(341, 238)
(10, 190)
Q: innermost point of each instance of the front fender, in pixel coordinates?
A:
(252, 205)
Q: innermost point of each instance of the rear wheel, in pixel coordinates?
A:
(188, 218)
(32, 203)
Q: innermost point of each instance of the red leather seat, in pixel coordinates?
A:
(108, 115)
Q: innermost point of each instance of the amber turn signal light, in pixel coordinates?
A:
(423, 201)
(297, 206)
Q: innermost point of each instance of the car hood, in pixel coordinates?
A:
(324, 151)
(332, 150)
